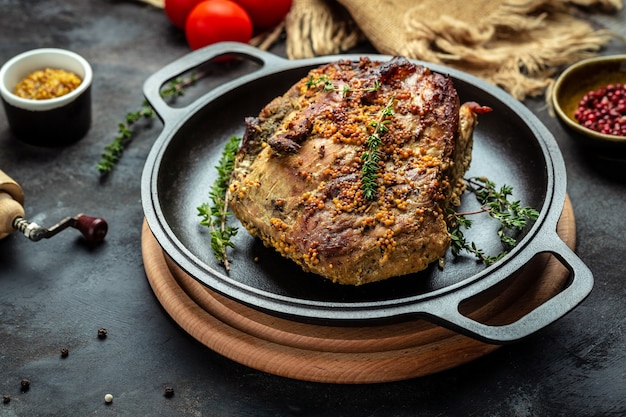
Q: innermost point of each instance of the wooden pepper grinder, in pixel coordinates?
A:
(12, 217)
(11, 204)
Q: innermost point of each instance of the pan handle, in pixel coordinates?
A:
(152, 86)
(446, 309)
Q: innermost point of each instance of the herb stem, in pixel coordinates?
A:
(496, 203)
(215, 215)
(125, 134)
(371, 156)
(470, 213)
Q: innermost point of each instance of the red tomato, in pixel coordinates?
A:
(214, 21)
(265, 13)
(178, 10)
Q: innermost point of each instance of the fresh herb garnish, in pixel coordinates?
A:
(328, 85)
(113, 152)
(494, 202)
(513, 217)
(215, 215)
(371, 156)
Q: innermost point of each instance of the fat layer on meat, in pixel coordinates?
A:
(298, 180)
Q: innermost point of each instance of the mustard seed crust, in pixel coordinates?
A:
(297, 182)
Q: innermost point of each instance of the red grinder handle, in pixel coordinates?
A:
(93, 228)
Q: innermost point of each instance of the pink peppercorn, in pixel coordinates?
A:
(604, 110)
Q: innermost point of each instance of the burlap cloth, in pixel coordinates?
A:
(515, 44)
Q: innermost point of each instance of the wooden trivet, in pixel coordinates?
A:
(337, 354)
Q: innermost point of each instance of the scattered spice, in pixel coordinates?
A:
(108, 398)
(64, 352)
(604, 110)
(168, 392)
(25, 385)
(102, 333)
(46, 84)
(6, 399)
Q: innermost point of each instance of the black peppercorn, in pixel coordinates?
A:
(64, 352)
(6, 399)
(25, 385)
(102, 333)
(168, 392)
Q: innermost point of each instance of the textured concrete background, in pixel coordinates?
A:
(58, 292)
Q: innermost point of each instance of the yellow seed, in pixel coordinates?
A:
(46, 84)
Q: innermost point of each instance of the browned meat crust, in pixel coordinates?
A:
(298, 181)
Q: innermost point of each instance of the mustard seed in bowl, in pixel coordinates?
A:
(46, 84)
(61, 119)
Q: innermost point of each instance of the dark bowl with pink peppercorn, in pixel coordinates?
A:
(589, 98)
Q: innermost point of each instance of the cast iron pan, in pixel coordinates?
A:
(511, 147)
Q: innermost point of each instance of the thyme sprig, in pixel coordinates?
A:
(513, 217)
(325, 81)
(125, 134)
(370, 158)
(114, 150)
(215, 215)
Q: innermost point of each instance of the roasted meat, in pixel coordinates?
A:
(351, 171)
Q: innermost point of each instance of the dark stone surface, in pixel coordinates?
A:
(57, 293)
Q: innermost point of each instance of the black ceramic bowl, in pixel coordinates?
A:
(50, 122)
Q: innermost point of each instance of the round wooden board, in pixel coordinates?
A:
(338, 354)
